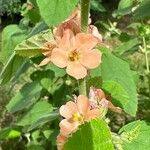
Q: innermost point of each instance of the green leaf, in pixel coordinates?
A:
(44, 119)
(119, 95)
(35, 147)
(55, 11)
(126, 46)
(34, 14)
(135, 135)
(35, 113)
(97, 6)
(9, 133)
(125, 3)
(117, 70)
(94, 135)
(32, 46)
(142, 12)
(58, 71)
(10, 68)
(11, 36)
(27, 96)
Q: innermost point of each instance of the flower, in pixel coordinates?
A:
(76, 53)
(75, 114)
(47, 51)
(98, 98)
(61, 140)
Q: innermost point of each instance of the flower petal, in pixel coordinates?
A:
(91, 59)
(64, 43)
(45, 61)
(76, 70)
(67, 127)
(91, 114)
(59, 58)
(68, 110)
(86, 41)
(83, 104)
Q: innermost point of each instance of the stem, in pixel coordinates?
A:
(82, 86)
(147, 63)
(85, 8)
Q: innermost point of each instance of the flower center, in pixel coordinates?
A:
(74, 55)
(77, 117)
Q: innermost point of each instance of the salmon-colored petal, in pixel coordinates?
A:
(67, 127)
(59, 58)
(61, 139)
(64, 43)
(68, 110)
(86, 41)
(45, 61)
(92, 114)
(76, 70)
(91, 59)
(82, 104)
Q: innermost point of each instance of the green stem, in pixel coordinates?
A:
(147, 63)
(85, 8)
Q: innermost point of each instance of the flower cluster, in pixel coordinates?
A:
(73, 49)
(82, 110)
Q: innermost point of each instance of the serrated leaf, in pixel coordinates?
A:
(117, 70)
(9, 133)
(135, 135)
(27, 96)
(35, 113)
(32, 46)
(119, 95)
(94, 135)
(56, 11)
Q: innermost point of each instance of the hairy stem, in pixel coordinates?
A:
(85, 7)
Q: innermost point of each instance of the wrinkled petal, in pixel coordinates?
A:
(114, 108)
(91, 59)
(86, 41)
(76, 70)
(66, 127)
(100, 94)
(59, 58)
(61, 139)
(94, 31)
(68, 110)
(45, 61)
(82, 104)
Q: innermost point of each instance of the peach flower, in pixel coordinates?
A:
(75, 114)
(61, 140)
(98, 98)
(47, 51)
(76, 53)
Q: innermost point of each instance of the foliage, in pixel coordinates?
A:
(37, 92)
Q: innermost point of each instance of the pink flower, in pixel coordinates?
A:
(75, 114)
(76, 53)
